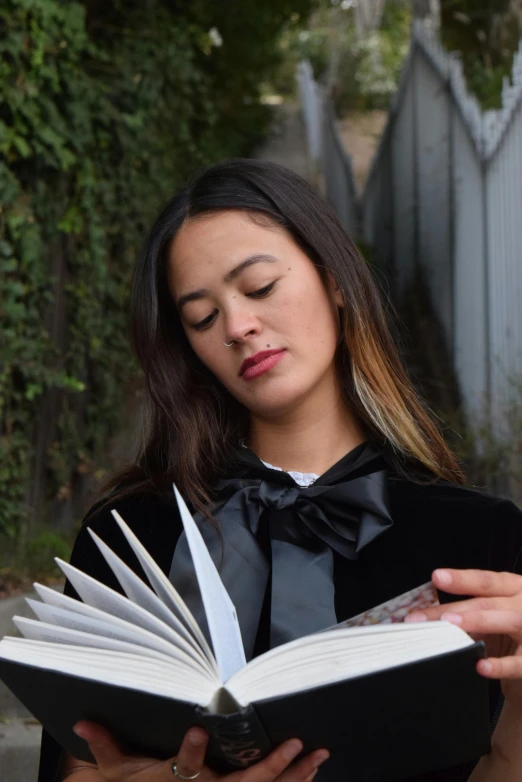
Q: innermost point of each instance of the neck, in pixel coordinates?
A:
(307, 440)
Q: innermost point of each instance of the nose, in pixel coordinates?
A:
(240, 325)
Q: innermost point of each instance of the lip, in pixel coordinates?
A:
(249, 365)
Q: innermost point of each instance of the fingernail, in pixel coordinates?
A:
(485, 666)
(416, 616)
(321, 756)
(455, 619)
(197, 738)
(80, 731)
(291, 749)
(443, 577)
(311, 776)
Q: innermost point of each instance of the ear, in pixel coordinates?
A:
(333, 290)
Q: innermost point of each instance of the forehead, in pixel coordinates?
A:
(214, 244)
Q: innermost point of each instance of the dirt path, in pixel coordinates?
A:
(360, 133)
(286, 143)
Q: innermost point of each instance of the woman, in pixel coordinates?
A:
(270, 366)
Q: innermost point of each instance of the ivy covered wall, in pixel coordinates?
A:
(105, 109)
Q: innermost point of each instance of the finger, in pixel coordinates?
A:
(488, 622)
(306, 768)
(101, 744)
(434, 613)
(479, 583)
(191, 756)
(501, 667)
(274, 764)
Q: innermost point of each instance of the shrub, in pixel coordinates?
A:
(105, 109)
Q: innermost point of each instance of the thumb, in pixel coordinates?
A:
(102, 745)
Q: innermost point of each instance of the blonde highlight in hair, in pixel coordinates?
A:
(387, 399)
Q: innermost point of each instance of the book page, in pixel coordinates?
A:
(110, 602)
(163, 588)
(137, 591)
(396, 609)
(221, 615)
(165, 678)
(52, 633)
(117, 630)
(322, 658)
(53, 598)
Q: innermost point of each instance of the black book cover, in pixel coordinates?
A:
(423, 716)
(379, 727)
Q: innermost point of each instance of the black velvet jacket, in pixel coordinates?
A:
(434, 525)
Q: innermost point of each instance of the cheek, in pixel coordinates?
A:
(205, 351)
(215, 359)
(311, 317)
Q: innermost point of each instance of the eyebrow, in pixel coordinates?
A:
(229, 276)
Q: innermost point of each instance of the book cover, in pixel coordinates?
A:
(366, 689)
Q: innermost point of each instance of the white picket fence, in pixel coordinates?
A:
(326, 150)
(444, 199)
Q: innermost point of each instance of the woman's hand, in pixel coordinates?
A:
(114, 766)
(493, 614)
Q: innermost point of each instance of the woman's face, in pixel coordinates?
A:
(234, 280)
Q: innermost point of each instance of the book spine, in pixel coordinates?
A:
(237, 740)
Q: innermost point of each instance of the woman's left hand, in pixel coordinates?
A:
(492, 613)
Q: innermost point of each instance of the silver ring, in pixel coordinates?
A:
(228, 345)
(180, 776)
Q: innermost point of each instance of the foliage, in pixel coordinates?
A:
(20, 566)
(492, 461)
(370, 67)
(488, 444)
(105, 109)
(39, 553)
(486, 34)
(363, 66)
(299, 44)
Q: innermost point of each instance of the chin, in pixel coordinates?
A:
(275, 402)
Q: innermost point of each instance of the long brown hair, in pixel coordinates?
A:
(192, 420)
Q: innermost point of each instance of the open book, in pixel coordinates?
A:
(388, 700)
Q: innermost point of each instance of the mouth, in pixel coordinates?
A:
(261, 362)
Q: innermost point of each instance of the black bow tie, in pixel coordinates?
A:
(304, 525)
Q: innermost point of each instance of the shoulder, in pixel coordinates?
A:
(148, 515)
(443, 494)
(460, 503)
(153, 519)
(483, 528)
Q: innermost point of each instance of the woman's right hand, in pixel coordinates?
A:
(114, 766)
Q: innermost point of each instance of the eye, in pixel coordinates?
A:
(261, 292)
(203, 324)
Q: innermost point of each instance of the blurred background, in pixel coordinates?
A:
(406, 114)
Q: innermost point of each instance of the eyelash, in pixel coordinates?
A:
(259, 294)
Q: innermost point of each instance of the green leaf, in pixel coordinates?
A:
(22, 146)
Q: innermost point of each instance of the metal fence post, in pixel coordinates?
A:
(487, 314)
(452, 207)
(416, 186)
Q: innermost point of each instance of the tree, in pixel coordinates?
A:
(486, 34)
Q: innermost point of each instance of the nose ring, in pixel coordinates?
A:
(228, 344)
